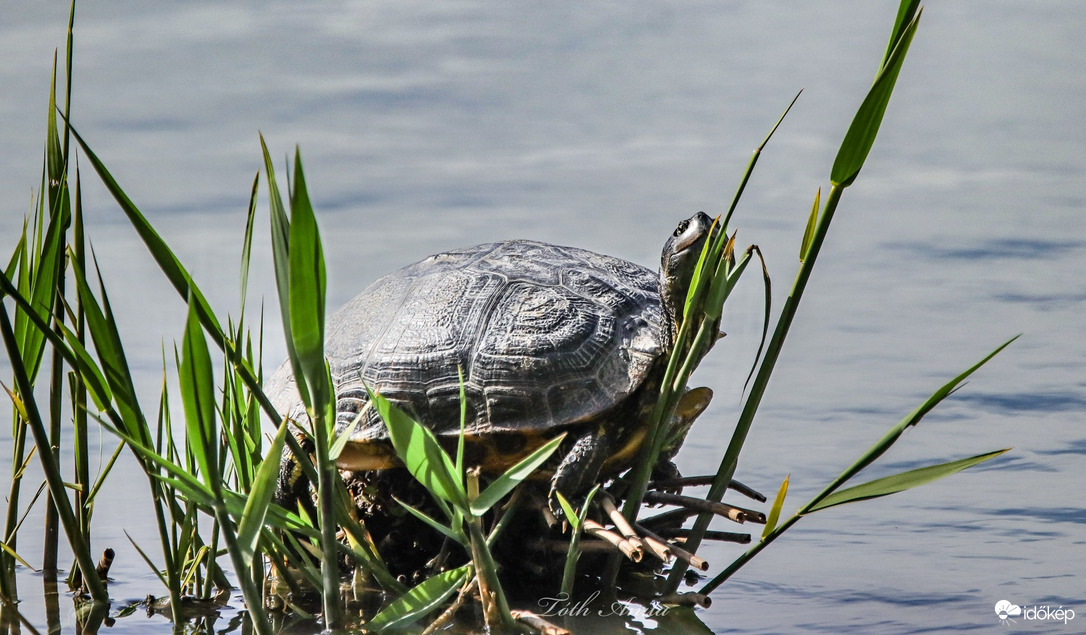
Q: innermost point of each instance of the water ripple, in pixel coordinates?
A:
(996, 248)
(1073, 515)
(1008, 403)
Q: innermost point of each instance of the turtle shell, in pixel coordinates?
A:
(546, 336)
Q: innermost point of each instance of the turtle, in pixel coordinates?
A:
(548, 340)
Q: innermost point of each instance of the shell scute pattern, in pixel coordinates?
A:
(547, 337)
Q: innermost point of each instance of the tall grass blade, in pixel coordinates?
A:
(809, 231)
(576, 522)
(854, 149)
(8, 550)
(420, 600)
(901, 482)
(198, 398)
(147, 559)
(107, 343)
(77, 356)
(306, 292)
(512, 477)
(160, 251)
(455, 534)
(256, 509)
(878, 487)
(905, 15)
(753, 161)
(280, 239)
(247, 246)
(865, 126)
(882, 445)
(421, 453)
(49, 466)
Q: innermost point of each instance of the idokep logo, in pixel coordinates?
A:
(1006, 611)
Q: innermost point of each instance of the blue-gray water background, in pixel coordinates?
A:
(426, 126)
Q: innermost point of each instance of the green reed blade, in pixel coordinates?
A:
(49, 465)
(924, 475)
(247, 245)
(159, 250)
(573, 554)
(147, 559)
(280, 238)
(421, 453)
(512, 477)
(179, 478)
(7, 549)
(854, 149)
(107, 343)
(198, 399)
(448, 531)
(103, 473)
(901, 482)
(906, 13)
(77, 356)
(882, 445)
(865, 126)
(7, 539)
(260, 496)
(307, 290)
(753, 161)
(420, 600)
(808, 232)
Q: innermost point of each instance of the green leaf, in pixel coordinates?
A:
(809, 231)
(6, 547)
(463, 423)
(456, 536)
(905, 12)
(307, 290)
(342, 438)
(107, 343)
(901, 482)
(160, 251)
(865, 126)
(256, 508)
(247, 243)
(567, 509)
(891, 437)
(421, 453)
(280, 238)
(198, 397)
(576, 521)
(775, 511)
(183, 480)
(150, 564)
(420, 600)
(514, 475)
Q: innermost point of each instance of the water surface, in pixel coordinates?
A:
(431, 126)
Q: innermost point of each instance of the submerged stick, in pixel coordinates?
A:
(724, 536)
(731, 512)
(627, 548)
(707, 479)
(675, 550)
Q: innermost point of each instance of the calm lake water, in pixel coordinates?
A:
(427, 126)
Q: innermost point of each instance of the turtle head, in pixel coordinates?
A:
(677, 264)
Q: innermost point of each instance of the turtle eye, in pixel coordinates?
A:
(681, 228)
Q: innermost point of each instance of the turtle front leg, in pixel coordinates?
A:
(580, 467)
